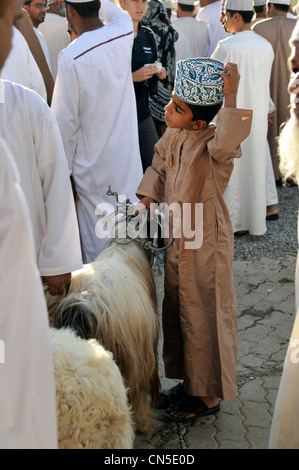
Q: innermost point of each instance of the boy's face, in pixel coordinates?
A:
(178, 115)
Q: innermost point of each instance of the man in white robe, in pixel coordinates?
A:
(284, 432)
(20, 66)
(36, 9)
(196, 32)
(31, 132)
(95, 106)
(54, 30)
(27, 392)
(210, 12)
(260, 11)
(251, 194)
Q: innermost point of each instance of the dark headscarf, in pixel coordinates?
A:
(156, 18)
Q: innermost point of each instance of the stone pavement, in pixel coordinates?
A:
(266, 306)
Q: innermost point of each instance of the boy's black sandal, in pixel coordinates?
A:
(190, 404)
(171, 396)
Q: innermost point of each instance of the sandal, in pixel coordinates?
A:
(190, 404)
(171, 396)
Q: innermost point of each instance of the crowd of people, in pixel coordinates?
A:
(176, 103)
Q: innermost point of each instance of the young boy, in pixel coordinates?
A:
(192, 164)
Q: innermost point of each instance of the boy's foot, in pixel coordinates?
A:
(171, 396)
(190, 408)
(272, 217)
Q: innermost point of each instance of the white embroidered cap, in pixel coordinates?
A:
(259, 3)
(239, 5)
(282, 2)
(295, 34)
(198, 81)
(188, 2)
(168, 3)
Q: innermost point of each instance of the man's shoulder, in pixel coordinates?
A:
(230, 41)
(241, 43)
(209, 11)
(53, 18)
(53, 21)
(262, 24)
(84, 43)
(269, 24)
(23, 102)
(17, 90)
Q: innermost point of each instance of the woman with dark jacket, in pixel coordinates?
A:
(145, 76)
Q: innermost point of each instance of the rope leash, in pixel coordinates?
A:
(138, 220)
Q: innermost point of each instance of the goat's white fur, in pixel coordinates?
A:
(115, 298)
(92, 403)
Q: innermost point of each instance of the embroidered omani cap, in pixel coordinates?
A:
(198, 81)
(259, 3)
(239, 5)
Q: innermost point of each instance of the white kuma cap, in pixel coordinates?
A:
(189, 2)
(282, 2)
(239, 5)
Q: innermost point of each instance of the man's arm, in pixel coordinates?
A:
(233, 125)
(109, 13)
(60, 253)
(65, 106)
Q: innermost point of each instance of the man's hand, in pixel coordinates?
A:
(57, 284)
(231, 83)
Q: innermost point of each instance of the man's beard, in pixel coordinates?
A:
(288, 149)
(62, 10)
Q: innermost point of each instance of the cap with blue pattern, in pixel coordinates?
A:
(198, 81)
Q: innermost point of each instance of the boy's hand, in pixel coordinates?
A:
(145, 202)
(231, 83)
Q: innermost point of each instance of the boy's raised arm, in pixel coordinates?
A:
(231, 83)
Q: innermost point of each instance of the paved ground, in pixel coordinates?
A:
(265, 296)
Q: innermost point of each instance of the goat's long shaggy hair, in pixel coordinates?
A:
(92, 403)
(113, 300)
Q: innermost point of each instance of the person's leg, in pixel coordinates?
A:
(148, 137)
